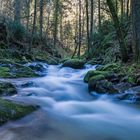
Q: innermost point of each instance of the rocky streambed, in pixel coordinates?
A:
(25, 87)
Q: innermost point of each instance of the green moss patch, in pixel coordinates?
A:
(16, 71)
(93, 73)
(11, 111)
(74, 63)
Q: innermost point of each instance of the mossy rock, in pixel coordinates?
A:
(5, 72)
(16, 71)
(74, 63)
(23, 72)
(102, 86)
(110, 67)
(11, 111)
(93, 73)
(7, 89)
(52, 61)
(93, 81)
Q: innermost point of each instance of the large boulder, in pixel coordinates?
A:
(10, 110)
(101, 85)
(131, 94)
(39, 66)
(19, 71)
(16, 71)
(7, 89)
(128, 97)
(74, 63)
(123, 86)
(93, 73)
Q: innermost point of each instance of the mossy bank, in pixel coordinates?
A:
(115, 78)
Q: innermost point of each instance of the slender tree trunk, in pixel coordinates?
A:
(80, 29)
(99, 14)
(56, 14)
(136, 27)
(87, 25)
(122, 9)
(17, 11)
(28, 14)
(128, 8)
(34, 25)
(48, 21)
(91, 22)
(61, 25)
(41, 17)
(118, 30)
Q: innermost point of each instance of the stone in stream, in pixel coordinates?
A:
(10, 110)
(16, 71)
(37, 67)
(74, 63)
(7, 89)
(102, 87)
(28, 84)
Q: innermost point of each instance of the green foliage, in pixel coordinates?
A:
(4, 72)
(16, 30)
(106, 46)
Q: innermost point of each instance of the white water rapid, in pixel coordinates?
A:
(68, 112)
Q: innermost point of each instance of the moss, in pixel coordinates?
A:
(74, 63)
(16, 71)
(92, 73)
(5, 72)
(97, 78)
(115, 67)
(131, 80)
(23, 71)
(12, 111)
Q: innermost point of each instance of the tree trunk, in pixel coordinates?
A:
(28, 14)
(99, 14)
(87, 25)
(118, 30)
(56, 14)
(91, 22)
(34, 25)
(136, 27)
(17, 10)
(41, 17)
(80, 29)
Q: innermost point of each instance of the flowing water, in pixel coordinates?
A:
(68, 112)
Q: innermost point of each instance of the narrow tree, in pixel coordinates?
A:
(41, 17)
(91, 21)
(99, 14)
(118, 30)
(87, 24)
(136, 27)
(17, 10)
(80, 28)
(56, 14)
(34, 25)
(28, 13)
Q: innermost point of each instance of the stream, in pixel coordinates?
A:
(68, 112)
